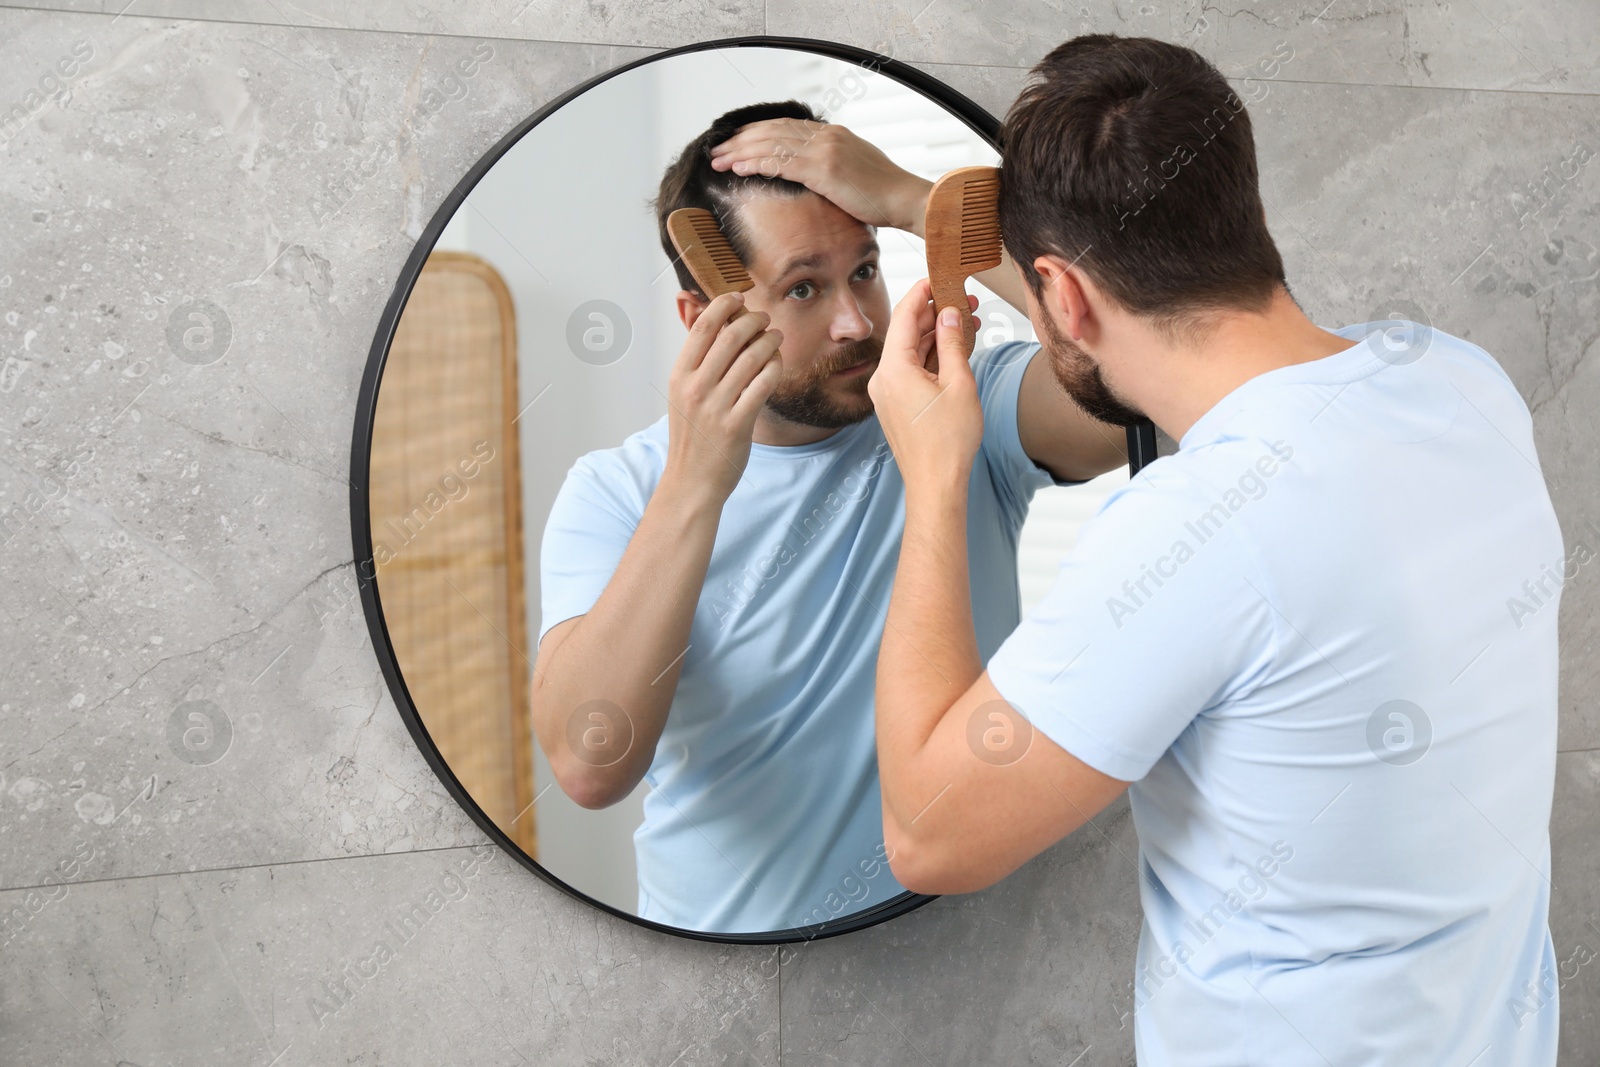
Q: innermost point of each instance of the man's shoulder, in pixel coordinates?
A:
(1400, 341)
(626, 473)
(1166, 483)
(642, 453)
(1474, 356)
(1170, 491)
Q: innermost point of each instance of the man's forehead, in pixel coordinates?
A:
(805, 232)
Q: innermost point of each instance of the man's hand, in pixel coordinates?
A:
(832, 162)
(725, 371)
(934, 422)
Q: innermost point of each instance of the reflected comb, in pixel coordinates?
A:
(705, 250)
(962, 224)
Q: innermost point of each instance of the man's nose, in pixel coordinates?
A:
(849, 323)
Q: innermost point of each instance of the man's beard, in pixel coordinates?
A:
(1079, 375)
(812, 400)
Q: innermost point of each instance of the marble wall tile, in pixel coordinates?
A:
(656, 24)
(1481, 44)
(1575, 904)
(196, 263)
(453, 955)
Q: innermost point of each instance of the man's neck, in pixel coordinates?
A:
(1182, 383)
(779, 432)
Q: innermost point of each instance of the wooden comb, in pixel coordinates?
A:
(962, 226)
(705, 250)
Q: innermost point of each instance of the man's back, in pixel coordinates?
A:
(1344, 759)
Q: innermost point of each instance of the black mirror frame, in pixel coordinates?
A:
(1141, 451)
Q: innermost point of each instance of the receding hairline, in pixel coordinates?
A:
(813, 260)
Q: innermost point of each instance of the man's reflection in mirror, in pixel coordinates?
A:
(713, 587)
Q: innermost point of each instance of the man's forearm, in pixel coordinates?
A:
(929, 655)
(628, 649)
(1005, 282)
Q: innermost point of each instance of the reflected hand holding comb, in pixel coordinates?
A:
(742, 351)
(705, 250)
(962, 227)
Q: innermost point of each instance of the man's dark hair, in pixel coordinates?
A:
(1134, 158)
(691, 182)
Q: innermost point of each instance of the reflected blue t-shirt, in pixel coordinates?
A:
(764, 810)
(1320, 639)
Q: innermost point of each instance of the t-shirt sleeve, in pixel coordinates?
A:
(590, 524)
(998, 371)
(1157, 615)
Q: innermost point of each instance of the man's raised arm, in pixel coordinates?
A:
(604, 680)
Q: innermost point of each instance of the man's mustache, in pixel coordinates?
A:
(857, 353)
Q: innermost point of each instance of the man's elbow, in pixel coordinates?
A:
(935, 869)
(595, 782)
(1116, 452)
(588, 789)
(1107, 454)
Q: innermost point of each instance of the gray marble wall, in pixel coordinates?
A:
(177, 538)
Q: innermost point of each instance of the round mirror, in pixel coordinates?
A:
(656, 694)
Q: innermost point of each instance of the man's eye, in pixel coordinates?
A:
(871, 269)
(799, 286)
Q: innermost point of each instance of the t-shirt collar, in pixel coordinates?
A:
(1342, 366)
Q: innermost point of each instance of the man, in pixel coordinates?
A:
(1291, 637)
(713, 588)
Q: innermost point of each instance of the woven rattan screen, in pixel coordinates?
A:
(447, 531)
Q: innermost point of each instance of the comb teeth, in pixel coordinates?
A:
(706, 253)
(980, 221)
(961, 221)
(716, 244)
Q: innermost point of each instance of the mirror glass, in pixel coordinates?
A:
(520, 429)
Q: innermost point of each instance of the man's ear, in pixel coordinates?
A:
(1066, 294)
(1075, 291)
(689, 307)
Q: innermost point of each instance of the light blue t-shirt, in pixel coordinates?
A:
(1321, 641)
(764, 811)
